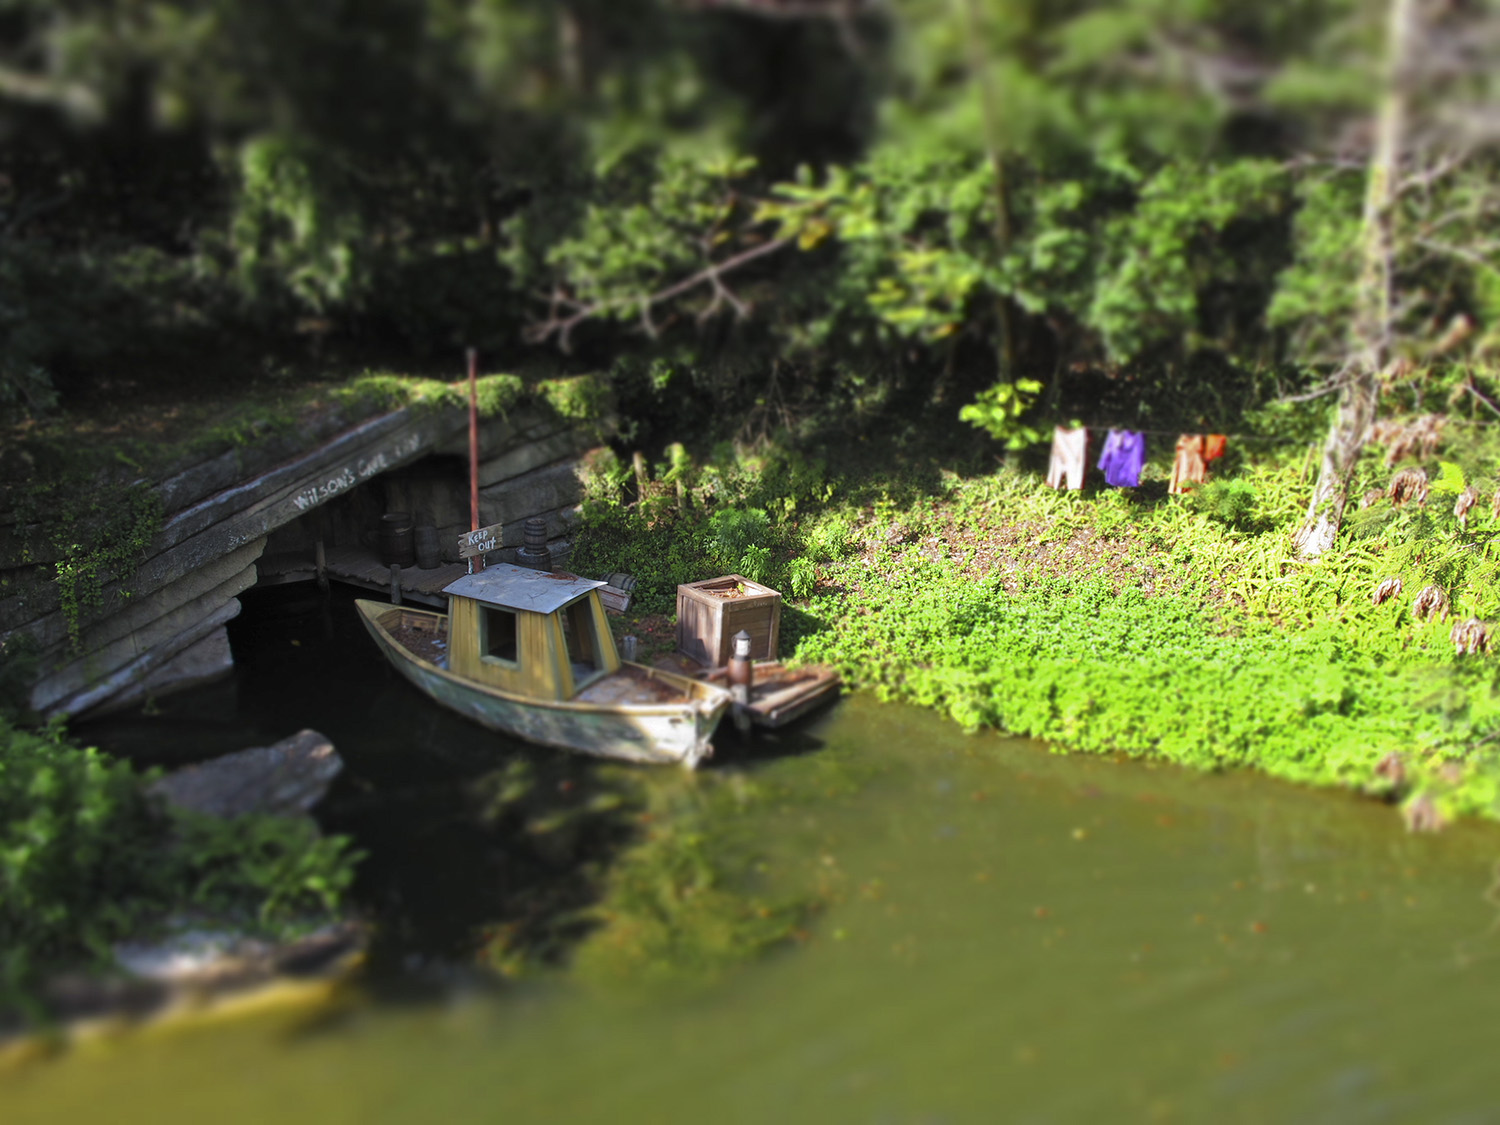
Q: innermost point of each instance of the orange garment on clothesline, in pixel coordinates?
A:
(1188, 467)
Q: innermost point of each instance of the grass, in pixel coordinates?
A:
(1181, 628)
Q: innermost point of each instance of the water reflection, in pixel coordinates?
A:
(957, 928)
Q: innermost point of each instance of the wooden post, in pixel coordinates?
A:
(395, 584)
(476, 562)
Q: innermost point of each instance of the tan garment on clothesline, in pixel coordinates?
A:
(1188, 467)
(1070, 449)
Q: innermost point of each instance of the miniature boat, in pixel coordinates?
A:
(529, 653)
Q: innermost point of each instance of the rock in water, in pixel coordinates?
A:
(286, 779)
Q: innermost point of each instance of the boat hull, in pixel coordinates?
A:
(650, 732)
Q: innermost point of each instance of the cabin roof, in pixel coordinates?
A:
(517, 587)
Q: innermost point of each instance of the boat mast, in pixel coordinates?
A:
(476, 562)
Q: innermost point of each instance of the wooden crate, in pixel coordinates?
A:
(707, 620)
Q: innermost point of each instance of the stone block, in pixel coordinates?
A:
(285, 779)
(106, 687)
(542, 490)
(200, 663)
(531, 455)
(496, 433)
(235, 572)
(163, 637)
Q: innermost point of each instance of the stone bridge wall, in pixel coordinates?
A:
(163, 627)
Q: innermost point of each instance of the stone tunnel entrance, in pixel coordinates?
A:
(255, 515)
(340, 540)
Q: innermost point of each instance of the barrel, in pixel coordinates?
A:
(621, 581)
(396, 547)
(429, 555)
(533, 552)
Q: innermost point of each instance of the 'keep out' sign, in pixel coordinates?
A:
(478, 542)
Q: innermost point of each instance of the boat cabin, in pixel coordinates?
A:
(530, 632)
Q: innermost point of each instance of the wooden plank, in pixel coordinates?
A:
(615, 600)
(779, 706)
(363, 568)
(473, 543)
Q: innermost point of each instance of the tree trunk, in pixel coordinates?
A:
(1370, 342)
(989, 116)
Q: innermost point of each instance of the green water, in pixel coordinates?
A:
(1007, 935)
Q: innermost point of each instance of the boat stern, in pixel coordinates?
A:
(707, 710)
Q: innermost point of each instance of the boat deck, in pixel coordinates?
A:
(632, 685)
(422, 637)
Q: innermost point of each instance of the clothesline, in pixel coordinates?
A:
(1126, 426)
(1124, 453)
(1448, 420)
(1124, 456)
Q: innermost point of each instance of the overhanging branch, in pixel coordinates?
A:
(566, 313)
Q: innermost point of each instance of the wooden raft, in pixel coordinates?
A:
(780, 695)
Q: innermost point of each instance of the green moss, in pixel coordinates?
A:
(578, 398)
(496, 394)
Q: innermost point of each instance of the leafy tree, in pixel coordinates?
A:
(1425, 265)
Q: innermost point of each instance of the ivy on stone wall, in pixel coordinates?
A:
(98, 532)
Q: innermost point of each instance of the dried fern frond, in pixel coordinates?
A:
(1392, 768)
(1386, 591)
(1427, 432)
(1471, 637)
(1431, 602)
(1466, 500)
(1420, 438)
(1408, 484)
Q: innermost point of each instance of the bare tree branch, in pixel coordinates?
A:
(562, 326)
(1473, 257)
(1318, 392)
(1473, 390)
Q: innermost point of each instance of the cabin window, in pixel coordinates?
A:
(581, 639)
(498, 637)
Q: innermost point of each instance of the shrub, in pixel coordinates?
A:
(736, 530)
(88, 857)
(1229, 502)
(755, 563)
(829, 538)
(802, 577)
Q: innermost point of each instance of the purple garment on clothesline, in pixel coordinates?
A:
(1124, 454)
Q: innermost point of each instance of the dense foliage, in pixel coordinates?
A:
(88, 858)
(786, 225)
(1143, 209)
